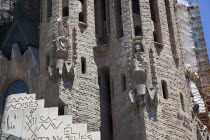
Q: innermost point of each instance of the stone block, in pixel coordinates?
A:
(30, 123)
(12, 123)
(24, 105)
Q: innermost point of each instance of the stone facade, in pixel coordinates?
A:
(167, 120)
(27, 118)
(79, 91)
(112, 65)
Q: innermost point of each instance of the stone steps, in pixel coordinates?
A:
(26, 117)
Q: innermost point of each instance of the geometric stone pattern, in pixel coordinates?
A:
(26, 117)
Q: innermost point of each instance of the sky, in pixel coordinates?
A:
(205, 16)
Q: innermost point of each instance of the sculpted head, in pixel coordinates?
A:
(137, 47)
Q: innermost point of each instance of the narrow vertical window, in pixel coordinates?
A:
(47, 62)
(101, 22)
(123, 82)
(61, 107)
(49, 8)
(118, 19)
(107, 16)
(156, 21)
(65, 11)
(182, 101)
(41, 11)
(103, 10)
(83, 65)
(170, 28)
(104, 19)
(83, 13)
(61, 110)
(96, 10)
(165, 89)
(65, 8)
(136, 17)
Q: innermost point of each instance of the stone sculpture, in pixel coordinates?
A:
(140, 60)
(62, 39)
(142, 94)
(62, 43)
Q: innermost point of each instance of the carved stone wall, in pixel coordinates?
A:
(26, 117)
(134, 72)
(20, 67)
(78, 90)
(141, 109)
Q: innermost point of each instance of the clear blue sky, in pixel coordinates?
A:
(205, 16)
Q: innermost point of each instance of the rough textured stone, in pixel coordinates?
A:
(27, 118)
(122, 91)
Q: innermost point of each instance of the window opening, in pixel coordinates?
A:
(156, 21)
(136, 17)
(49, 8)
(83, 13)
(83, 62)
(65, 11)
(123, 82)
(170, 28)
(182, 101)
(165, 89)
(118, 19)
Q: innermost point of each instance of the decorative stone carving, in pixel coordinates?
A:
(153, 96)
(62, 43)
(61, 39)
(152, 67)
(27, 118)
(143, 95)
(140, 60)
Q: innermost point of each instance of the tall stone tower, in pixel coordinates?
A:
(68, 73)
(141, 68)
(116, 65)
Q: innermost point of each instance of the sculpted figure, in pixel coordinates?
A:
(141, 90)
(61, 39)
(140, 60)
(140, 63)
(62, 43)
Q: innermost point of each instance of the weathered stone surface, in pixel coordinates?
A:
(114, 84)
(33, 121)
